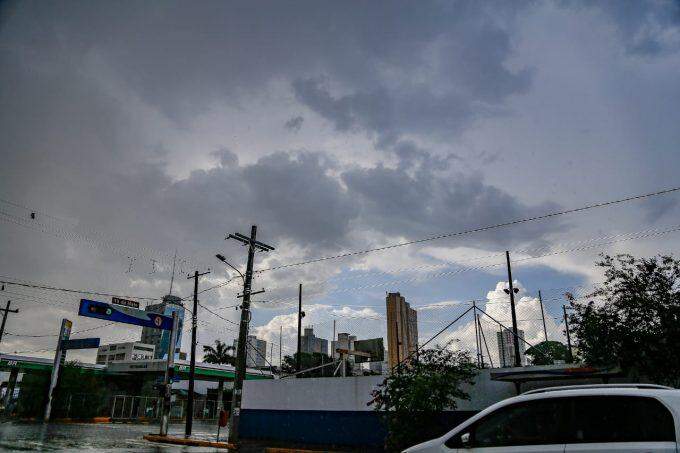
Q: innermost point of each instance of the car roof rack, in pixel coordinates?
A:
(597, 386)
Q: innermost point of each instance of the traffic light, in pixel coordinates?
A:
(100, 309)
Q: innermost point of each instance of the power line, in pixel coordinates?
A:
(475, 230)
(95, 239)
(56, 335)
(467, 269)
(67, 290)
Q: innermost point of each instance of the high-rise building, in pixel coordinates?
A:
(123, 352)
(311, 343)
(256, 352)
(506, 347)
(161, 338)
(402, 329)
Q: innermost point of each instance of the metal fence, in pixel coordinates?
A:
(134, 408)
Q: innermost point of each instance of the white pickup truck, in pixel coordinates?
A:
(586, 418)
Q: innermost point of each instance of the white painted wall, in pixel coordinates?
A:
(351, 393)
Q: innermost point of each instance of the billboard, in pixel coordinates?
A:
(373, 346)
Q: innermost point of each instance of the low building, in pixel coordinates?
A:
(344, 341)
(120, 352)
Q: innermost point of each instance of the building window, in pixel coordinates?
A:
(143, 348)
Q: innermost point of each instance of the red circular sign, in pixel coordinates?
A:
(158, 321)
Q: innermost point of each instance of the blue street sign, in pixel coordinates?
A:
(80, 343)
(127, 315)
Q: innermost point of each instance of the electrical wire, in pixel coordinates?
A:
(18, 282)
(475, 230)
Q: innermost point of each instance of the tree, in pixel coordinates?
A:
(221, 354)
(635, 322)
(429, 386)
(309, 360)
(547, 352)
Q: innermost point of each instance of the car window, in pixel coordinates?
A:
(538, 422)
(620, 419)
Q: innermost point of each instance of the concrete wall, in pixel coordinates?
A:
(335, 411)
(351, 393)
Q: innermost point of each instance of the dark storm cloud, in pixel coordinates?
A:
(422, 198)
(294, 124)
(180, 57)
(460, 74)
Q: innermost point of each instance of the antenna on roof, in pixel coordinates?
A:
(172, 279)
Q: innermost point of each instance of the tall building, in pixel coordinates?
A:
(344, 341)
(506, 347)
(402, 329)
(311, 343)
(160, 339)
(123, 352)
(256, 352)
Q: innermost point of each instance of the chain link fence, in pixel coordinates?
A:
(483, 328)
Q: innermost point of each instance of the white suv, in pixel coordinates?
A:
(586, 418)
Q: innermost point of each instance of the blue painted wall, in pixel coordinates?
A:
(351, 428)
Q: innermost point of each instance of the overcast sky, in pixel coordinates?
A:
(139, 128)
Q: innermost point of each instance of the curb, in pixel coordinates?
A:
(187, 442)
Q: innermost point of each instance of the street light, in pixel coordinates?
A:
(224, 260)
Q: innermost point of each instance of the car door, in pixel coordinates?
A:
(528, 426)
(614, 423)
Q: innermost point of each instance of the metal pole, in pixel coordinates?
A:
(481, 330)
(242, 342)
(298, 364)
(64, 333)
(481, 335)
(474, 317)
(11, 384)
(570, 357)
(515, 339)
(169, 374)
(540, 301)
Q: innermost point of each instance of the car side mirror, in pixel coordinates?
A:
(465, 440)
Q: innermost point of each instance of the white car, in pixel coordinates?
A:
(581, 418)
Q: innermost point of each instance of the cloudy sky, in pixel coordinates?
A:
(132, 130)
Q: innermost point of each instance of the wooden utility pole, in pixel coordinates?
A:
(301, 314)
(237, 396)
(192, 366)
(511, 291)
(5, 312)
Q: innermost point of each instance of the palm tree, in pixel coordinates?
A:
(221, 354)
